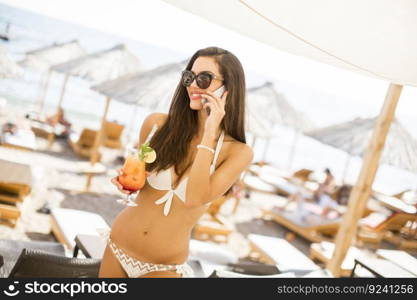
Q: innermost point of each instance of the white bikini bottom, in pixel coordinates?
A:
(136, 268)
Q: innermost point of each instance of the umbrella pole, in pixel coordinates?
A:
(362, 189)
(51, 135)
(97, 143)
(61, 98)
(265, 149)
(43, 92)
(99, 136)
(293, 149)
(132, 121)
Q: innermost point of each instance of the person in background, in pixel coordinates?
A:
(59, 118)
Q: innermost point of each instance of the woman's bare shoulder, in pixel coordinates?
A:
(151, 120)
(156, 118)
(238, 148)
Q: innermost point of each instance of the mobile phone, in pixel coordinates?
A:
(218, 93)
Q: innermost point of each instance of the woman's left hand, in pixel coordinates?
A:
(217, 112)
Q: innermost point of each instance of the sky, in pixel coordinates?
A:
(161, 24)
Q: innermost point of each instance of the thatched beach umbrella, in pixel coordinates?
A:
(98, 67)
(8, 68)
(146, 88)
(371, 37)
(400, 148)
(151, 89)
(273, 108)
(42, 59)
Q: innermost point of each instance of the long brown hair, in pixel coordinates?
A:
(171, 142)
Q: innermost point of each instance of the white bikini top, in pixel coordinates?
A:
(162, 180)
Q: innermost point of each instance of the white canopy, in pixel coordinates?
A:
(374, 37)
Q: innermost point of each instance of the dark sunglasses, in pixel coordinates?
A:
(203, 79)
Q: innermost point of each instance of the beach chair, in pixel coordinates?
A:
(112, 135)
(230, 274)
(9, 215)
(215, 206)
(66, 224)
(40, 264)
(282, 186)
(323, 252)
(400, 258)
(15, 186)
(215, 230)
(310, 226)
(11, 249)
(394, 204)
(282, 254)
(269, 170)
(254, 183)
(302, 174)
(388, 226)
(83, 144)
(22, 140)
(15, 178)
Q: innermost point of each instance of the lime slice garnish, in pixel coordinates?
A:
(150, 157)
(147, 153)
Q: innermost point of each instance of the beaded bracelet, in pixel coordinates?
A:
(205, 147)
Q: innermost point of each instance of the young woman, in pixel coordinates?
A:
(200, 155)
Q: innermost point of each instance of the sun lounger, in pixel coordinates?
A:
(22, 140)
(323, 252)
(214, 208)
(380, 267)
(308, 225)
(210, 252)
(254, 183)
(400, 241)
(387, 226)
(268, 170)
(395, 204)
(83, 144)
(9, 215)
(37, 263)
(11, 249)
(213, 230)
(302, 174)
(66, 224)
(230, 274)
(15, 185)
(400, 258)
(382, 222)
(211, 256)
(15, 179)
(112, 135)
(281, 253)
(282, 186)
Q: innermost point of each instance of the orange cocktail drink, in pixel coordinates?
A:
(133, 173)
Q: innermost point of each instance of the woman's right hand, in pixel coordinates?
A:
(116, 182)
